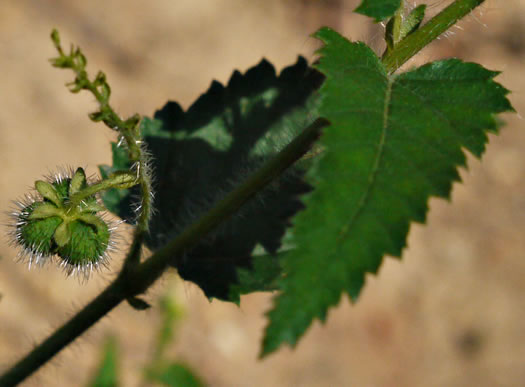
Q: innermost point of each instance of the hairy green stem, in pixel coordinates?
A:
(142, 276)
(128, 129)
(117, 180)
(83, 320)
(146, 204)
(172, 252)
(76, 61)
(436, 26)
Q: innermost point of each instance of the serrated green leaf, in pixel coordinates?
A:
(175, 375)
(378, 9)
(106, 374)
(394, 142)
(200, 155)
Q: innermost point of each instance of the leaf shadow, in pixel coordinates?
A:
(201, 154)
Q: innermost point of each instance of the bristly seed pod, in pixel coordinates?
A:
(65, 221)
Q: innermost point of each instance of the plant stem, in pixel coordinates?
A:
(146, 205)
(118, 180)
(76, 61)
(172, 252)
(84, 319)
(134, 282)
(128, 129)
(414, 42)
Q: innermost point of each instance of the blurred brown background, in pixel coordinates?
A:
(451, 313)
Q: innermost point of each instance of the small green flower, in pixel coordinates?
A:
(64, 221)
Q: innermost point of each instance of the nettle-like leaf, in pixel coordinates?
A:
(394, 141)
(378, 9)
(201, 154)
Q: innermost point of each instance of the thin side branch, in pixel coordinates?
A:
(128, 129)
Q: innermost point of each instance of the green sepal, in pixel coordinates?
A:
(91, 207)
(48, 192)
(78, 182)
(62, 234)
(62, 189)
(44, 210)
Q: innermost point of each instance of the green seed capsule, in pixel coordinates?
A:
(54, 224)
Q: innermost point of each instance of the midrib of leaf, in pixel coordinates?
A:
(375, 167)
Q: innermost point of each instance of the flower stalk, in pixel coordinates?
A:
(128, 130)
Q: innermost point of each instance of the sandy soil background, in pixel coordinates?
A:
(451, 313)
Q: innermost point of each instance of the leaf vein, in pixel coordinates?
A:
(377, 161)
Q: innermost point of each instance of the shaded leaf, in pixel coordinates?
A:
(117, 200)
(394, 142)
(378, 9)
(262, 277)
(201, 154)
